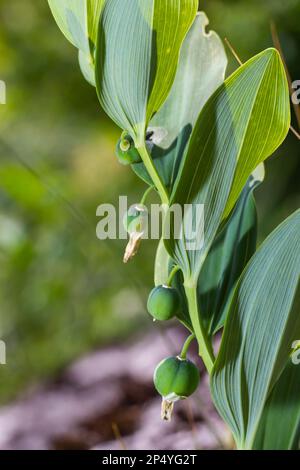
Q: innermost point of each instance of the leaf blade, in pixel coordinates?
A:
(258, 332)
(217, 149)
(176, 16)
(78, 21)
(201, 69)
(279, 428)
(134, 77)
(227, 258)
(70, 16)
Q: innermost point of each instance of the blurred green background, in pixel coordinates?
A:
(62, 291)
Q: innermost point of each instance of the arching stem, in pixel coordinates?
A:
(205, 346)
(146, 194)
(150, 167)
(186, 346)
(172, 274)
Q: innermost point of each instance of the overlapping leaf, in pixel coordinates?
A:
(241, 125)
(201, 70)
(262, 323)
(137, 55)
(229, 254)
(279, 428)
(78, 21)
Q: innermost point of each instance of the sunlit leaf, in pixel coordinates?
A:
(87, 68)
(94, 8)
(240, 126)
(261, 325)
(137, 55)
(201, 70)
(78, 21)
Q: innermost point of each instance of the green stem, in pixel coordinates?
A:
(146, 194)
(150, 167)
(186, 346)
(172, 274)
(205, 347)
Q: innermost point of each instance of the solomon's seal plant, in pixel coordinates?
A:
(196, 137)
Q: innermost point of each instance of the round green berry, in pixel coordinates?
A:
(176, 378)
(163, 303)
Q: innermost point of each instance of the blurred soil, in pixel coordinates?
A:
(107, 401)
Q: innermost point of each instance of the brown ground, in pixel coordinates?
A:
(107, 401)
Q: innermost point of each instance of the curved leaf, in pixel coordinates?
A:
(71, 18)
(240, 126)
(227, 258)
(78, 21)
(262, 322)
(87, 68)
(137, 56)
(279, 428)
(201, 69)
(94, 9)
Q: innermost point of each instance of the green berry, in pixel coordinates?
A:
(126, 152)
(163, 303)
(176, 378)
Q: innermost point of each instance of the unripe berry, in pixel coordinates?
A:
(176, 378)
(163, 303)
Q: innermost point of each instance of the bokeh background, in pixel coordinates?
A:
(63, 293)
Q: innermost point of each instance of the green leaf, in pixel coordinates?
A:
(279, 428)
(228, 256)
(201, 69)
(240, 126)
(87, 68)
(70, 16)
(78, 21)
(137, 55)
(94, 9)
(262, 322)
